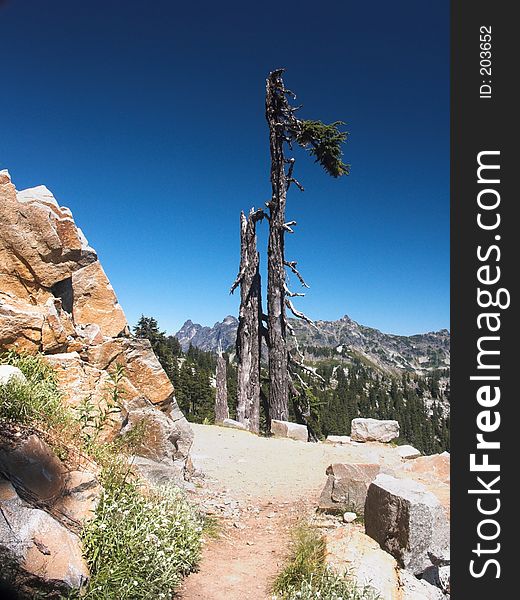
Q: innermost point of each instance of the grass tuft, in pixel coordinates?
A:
(36, 401)
(306, 575)
(329, 586)
(307, 557)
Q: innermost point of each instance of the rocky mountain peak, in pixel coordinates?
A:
(230, 320)
(418, 353)
(208, 338)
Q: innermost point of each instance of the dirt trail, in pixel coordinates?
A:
(260, 487)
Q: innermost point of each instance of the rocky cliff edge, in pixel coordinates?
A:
(55, 298)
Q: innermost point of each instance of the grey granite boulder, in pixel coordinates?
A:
(407, 521)
(234, 424)
(374, 430)
(9, 373)
(408, 452)
(347, 486)
(167, 436)
(338, 439)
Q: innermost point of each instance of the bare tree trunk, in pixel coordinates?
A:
(324, 143)
(249, 335)
(276, 331)
(221, 399)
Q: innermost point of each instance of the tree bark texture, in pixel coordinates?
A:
(221, 396)
(277, 339)
(249, 335)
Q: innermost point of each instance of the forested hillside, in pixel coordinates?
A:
(192, 372)
(353, 387)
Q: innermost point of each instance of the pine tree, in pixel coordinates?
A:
(323, 142)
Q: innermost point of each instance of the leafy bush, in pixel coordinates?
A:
(93, 417)
(139, 546)
(36, 401)
(306, 575)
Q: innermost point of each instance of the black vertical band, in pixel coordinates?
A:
(483, 128)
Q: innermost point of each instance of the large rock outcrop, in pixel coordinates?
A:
(45, 257)
(286, 429)
(43, 505)
(55, 298)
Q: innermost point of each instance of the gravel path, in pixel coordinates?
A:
(274, 468)
(260, 487)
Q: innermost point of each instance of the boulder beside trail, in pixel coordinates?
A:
(407, 521)
(165, 438)
(338, 439)
(432, 471)
(293, 431)
(373, 430)
(349, 549)
(347, 487)
(234, 424)
(408, 452)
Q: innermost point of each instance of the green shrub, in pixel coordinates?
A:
(36, 401)
(306, 575)
(93, 417)
(140, 546)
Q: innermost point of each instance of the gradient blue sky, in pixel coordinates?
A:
(146, 119)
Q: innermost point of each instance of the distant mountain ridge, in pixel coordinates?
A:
(207, 338)
(418, 353)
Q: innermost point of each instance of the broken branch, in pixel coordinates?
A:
(296, 183)
(292, 265)
(299, 314)
(292, 294)
(237, 281)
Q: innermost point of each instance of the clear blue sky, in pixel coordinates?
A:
(146, 119)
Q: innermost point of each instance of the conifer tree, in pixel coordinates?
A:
(323, 142)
